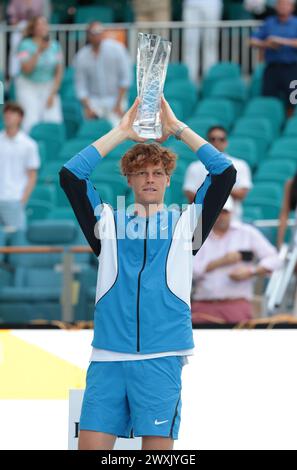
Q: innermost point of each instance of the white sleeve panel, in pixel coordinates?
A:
(179, 267)
(108, 258)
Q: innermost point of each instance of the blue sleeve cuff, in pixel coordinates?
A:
(214, 161)
(82, 164)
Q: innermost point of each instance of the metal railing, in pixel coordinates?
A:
(232, 44)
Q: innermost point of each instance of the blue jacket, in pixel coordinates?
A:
(145, 263)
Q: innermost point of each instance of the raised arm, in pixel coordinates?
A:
(218, 184)
(75, 174)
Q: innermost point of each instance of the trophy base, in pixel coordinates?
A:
(148, 132)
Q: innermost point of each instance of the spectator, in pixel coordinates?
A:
(154, 10)
(260, 9)
(41, 74)
(25, 10)
(224, 270)
(289, 204)
(277, 37)
(200, 10)
(19, 160)
(196, 172)
(18, 13)
(102, 75)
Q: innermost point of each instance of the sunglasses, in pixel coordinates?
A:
(219, 139)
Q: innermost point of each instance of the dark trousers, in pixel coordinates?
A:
(276, 81)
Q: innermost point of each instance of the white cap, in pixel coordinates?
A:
(229, 205)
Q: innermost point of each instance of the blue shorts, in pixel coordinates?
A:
(133, 398)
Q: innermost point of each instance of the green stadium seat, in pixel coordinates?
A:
(183, 152)
(244, 148)
(266, 208)
(219, 108)
(73, 116)
(202, 124)
(268, 197)
(183, 91)
(251, 213)
(218, 72)
(265, 190)
(72, 147)
(38, 209)
(284, 147)
(177, 71)
(268, 107)
(259, 129)
(270, 233)
(61, 213)
(45, 193)
(291, 128)
(93, 128)
(276, 170)
(42, 151)
(49, 172)
(256, 83)
(36, 288)
(53, 135)
(231, 89)
(86, 14)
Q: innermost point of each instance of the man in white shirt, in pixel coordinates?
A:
(102, 75)
(19, 161)
(200, 10)
(196, 172)
(224, 270)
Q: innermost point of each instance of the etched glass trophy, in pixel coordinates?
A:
(152, 60)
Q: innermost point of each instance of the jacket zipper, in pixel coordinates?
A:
(138, 288)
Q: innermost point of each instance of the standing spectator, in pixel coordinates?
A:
(18, 13)
(289, 204)
(200, 10)
(277, 37)
(224, 270)
(196, 172)
(154, 10)
(19, 160)
(260, 9)
(38, 84)
(102, 75)
(20, 10)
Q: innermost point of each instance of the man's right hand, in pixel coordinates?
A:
(126, 123)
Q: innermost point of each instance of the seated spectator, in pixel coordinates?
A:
(19, 161)
(289, 204)
(102, 75)
(196, 172)
(277, 38)
(38, 84)
(224, 270)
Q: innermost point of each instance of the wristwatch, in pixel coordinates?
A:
(179, 131)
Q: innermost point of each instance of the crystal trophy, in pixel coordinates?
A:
(152, 60)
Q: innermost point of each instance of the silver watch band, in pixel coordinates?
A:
(180, 130)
